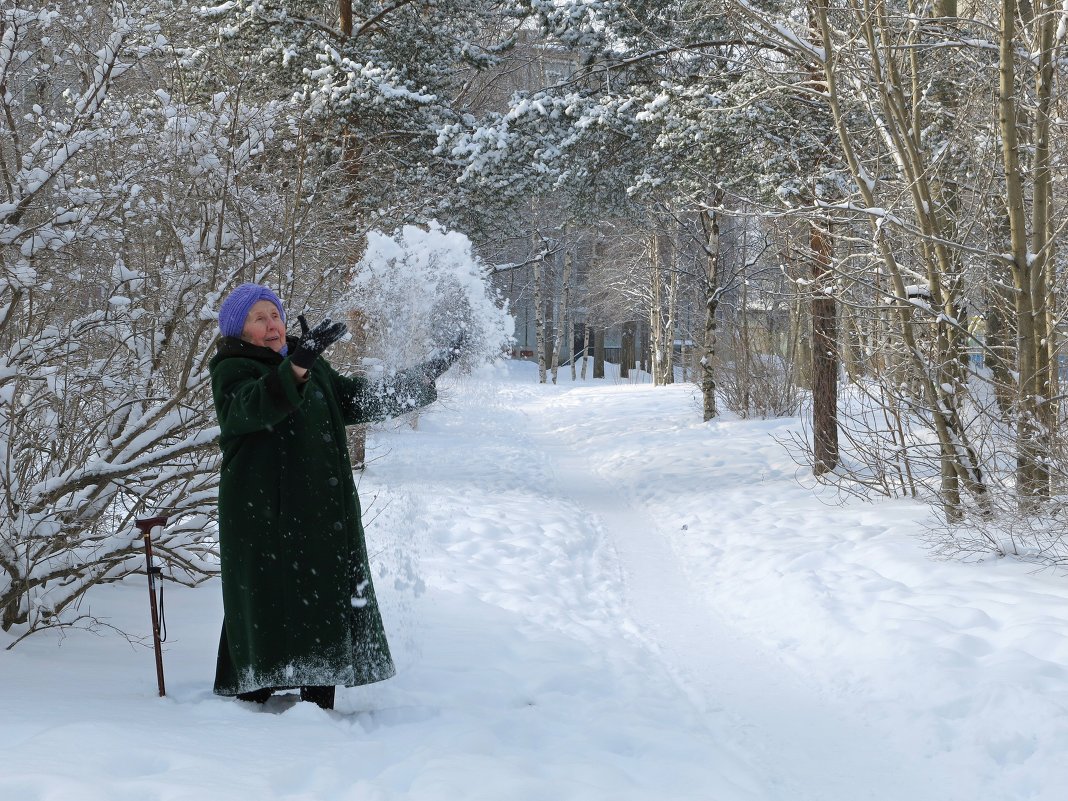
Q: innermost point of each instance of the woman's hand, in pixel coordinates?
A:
(313, 342)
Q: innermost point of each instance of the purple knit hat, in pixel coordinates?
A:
(235, 308)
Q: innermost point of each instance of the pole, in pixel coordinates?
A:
(146, 524)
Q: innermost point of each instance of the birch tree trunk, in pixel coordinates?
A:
(667, 369)
(554, 360)
(539, 315)
(548, 335)
(570, 328)
(710, 224)
(656, 309)
(564, 315)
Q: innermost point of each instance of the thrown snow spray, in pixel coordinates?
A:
(415, 292)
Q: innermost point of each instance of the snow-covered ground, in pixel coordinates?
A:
(590, 595)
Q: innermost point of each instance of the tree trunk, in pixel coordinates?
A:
(571, 345)
(345, 16)
(548, 336)
(999, 350)
(598, 353)
(824, 356)
(710, 223)
(585, 347)
(667, 369)
(539, 316)
(645, 347)
(800, 324)
(626, 350)
(663, 291)
(823, 306)
(1043, 270)
(656, 308)
(1032, 476)
(562, 315)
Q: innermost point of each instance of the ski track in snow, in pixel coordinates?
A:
(591, 596)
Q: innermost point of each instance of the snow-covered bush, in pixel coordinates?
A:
(125, 214)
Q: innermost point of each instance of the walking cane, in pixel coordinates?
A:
(146, 524)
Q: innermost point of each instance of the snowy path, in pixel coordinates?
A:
(590, 596)
(803, 745)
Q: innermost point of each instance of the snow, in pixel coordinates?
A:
(419, 289)
(590, 595)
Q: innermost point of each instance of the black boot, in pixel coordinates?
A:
(323, 697)
(256, 696)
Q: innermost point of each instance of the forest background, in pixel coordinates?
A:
(846, 208)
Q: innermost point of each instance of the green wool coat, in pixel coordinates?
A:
(299, 605)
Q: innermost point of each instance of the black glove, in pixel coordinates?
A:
(439, 364)
(312, 343)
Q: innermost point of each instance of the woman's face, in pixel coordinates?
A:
(264, 326)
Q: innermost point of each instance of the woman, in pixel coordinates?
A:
(299, 606)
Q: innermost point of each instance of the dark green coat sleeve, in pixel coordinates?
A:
(250, 396)
(365, 401)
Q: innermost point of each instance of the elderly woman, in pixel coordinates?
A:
(299, 605)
